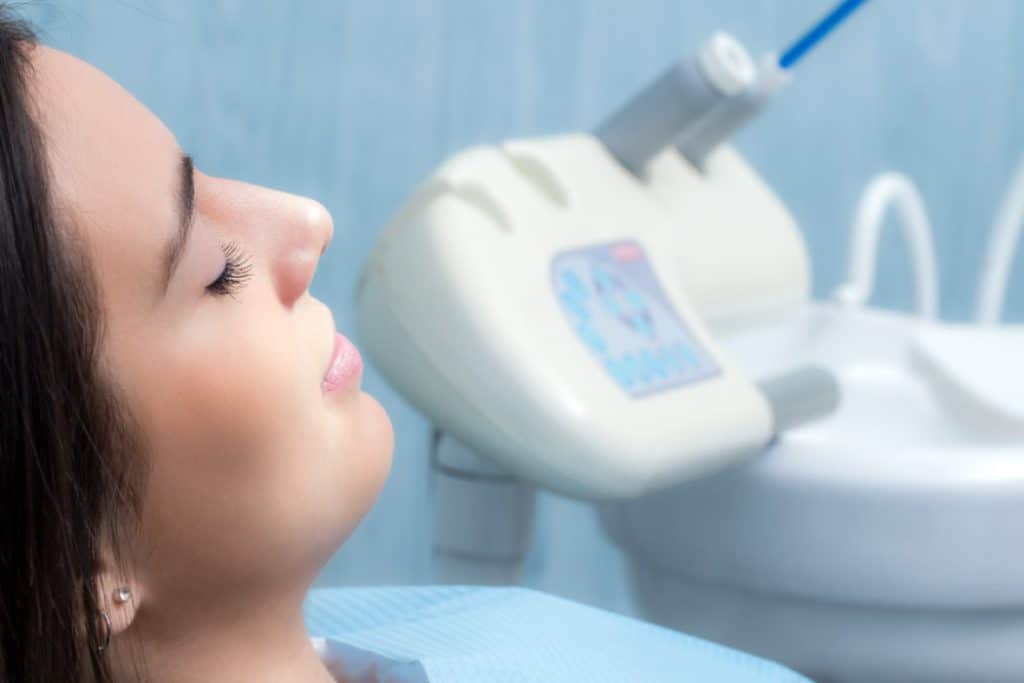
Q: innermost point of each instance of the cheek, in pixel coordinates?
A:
(256, 472)
(236, 403)
(237, 448)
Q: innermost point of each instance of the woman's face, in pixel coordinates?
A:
(255, 472)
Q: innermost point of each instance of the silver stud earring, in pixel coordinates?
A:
(122, 595)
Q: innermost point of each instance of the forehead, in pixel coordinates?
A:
(113, 163)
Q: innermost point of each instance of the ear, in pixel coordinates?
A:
(118, 595)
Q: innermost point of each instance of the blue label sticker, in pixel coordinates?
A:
(619, 311)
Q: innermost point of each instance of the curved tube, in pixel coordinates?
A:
(1002, 245)
(885, 189)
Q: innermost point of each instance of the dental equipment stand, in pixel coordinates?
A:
(550, 305)
(566, 312)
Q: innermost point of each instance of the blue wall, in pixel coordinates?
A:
(352, 102)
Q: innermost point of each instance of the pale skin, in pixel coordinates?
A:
(255, 476)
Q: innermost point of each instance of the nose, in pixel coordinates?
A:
(307, 231)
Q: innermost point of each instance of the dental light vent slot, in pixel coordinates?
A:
(535, 172)
(481, 199)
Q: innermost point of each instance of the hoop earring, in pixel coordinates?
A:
(110, 629)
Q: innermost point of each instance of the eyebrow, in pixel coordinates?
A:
(186, 212)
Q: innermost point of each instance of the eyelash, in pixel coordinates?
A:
(237, 271)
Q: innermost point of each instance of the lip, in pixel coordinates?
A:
(345, 366)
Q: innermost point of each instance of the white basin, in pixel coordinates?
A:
(883, 543)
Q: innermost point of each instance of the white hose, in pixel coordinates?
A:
(1002, 245)
(885, 189)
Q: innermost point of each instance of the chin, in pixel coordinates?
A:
(364, 466)
(348, 490)
(380, 439)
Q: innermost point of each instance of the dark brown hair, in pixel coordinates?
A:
(65, 444)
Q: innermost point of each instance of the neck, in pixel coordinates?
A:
(255, 641)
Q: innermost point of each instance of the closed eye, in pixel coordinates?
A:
(237, 271)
